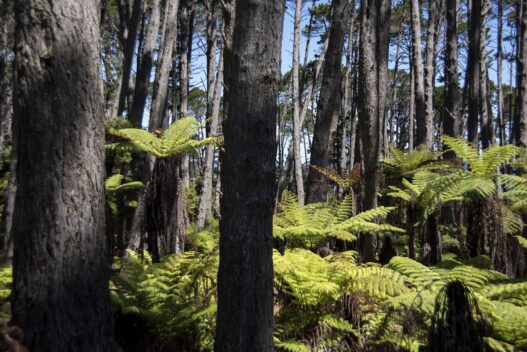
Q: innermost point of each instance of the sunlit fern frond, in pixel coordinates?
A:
(177, 138)
(346, 182)
(405, 163)
(141, 138)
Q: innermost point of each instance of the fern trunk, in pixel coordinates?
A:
(411, 219)
(517, 256)
(166, 213)
(485, 231)
(433, 238)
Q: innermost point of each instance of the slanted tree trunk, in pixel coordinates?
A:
(245, 277)
(288, 165)
(61, 298)
(424, 129)
(142, 81)
(328, 106)
(205, 204)
(473, 70)
(164, 63)
(373, 78)
(451, 112)
(520, 118)
(299, 178)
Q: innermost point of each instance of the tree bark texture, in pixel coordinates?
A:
(328, 106)
(61, 297)
(451, 112)
(520, 120)
(373, 80)
(245, 277)
(424, 128)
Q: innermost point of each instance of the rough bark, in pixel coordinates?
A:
(373, 69)
(487, 130)
(473, 71)
(187, 23)
(299, 178)
(430, 67)
(164, 62)
(485, 231)
(205, 204)
(424, 129)
(61, 298)
(142, 80)
(499, 68)
(166, 215)
(245, 277)
(130, 29)
(328, 105)
(520, 119)
(451, 112)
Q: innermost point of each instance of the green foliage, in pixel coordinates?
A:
(312, 225)
(116, 184)
(6, 282)
(175, 140)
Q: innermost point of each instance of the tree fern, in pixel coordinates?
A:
(175, 140)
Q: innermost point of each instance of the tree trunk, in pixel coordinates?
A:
(288, 165)
(245, 277)
(411, 219)
(499, 64)
(166, 214)
(473, 71)
(129, 38)
(205, 204)
(164, 62)
(411, 110)
(429, 69)
(373, 68)
(487, 130)
(187, 23)
(328, 105)
(485, 231)
(520, 119)
(299, 178)
(451, 112)
(424, 130)
(142, 81)
(61, 298)
(393, 101)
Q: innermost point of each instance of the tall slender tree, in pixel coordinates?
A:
(61, 297)
(328, 105)
(451, 113)
(299, 178)
(473, 70)
(422, 123)
(373, 75)
(520, 119)
(245, 277)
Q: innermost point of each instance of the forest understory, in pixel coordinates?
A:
(263, 175)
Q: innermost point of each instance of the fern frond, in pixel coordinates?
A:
(141, 138)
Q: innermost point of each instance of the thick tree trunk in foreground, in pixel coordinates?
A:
(373, 78)
(429, 69)
(328, 106)
(60, 292)
(245, 277)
